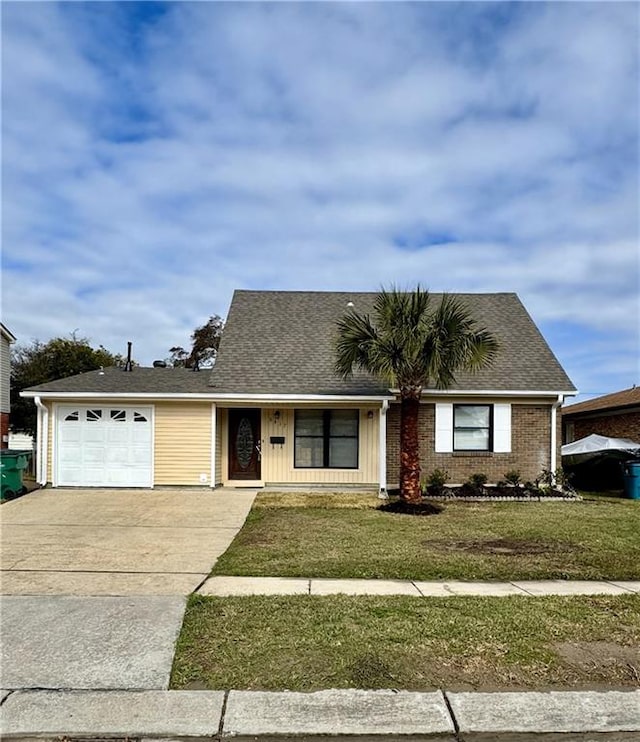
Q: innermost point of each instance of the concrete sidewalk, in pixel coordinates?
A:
(359, 714)
(228, 586)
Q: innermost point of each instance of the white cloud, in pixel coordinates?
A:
(296, 146)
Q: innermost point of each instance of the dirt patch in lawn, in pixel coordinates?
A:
(601, 658)
(500, 546)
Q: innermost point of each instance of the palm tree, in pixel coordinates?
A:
(413, 341)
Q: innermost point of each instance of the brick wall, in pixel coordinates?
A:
(530, 443)
(625, 425)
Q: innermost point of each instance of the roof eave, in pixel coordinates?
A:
(602, 410)
(7, 334)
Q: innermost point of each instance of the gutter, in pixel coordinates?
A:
(42, 441)
(491, 393)
(210, 397)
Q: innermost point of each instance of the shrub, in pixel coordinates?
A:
(438, 478)
(513, 477)
(477, 481)
(435, 482)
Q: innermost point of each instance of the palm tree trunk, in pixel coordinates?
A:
(409, 450)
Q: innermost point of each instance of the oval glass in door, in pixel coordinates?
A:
(244, 443)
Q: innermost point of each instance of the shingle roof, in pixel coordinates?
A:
(140, 380)
(282, 342)
(625, 398)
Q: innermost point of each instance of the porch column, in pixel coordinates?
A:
(42, 442)
(214, 417)
(382, 453)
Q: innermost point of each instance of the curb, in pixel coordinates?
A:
(358, 714)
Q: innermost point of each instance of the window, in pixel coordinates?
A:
(138, 417)
(94, 415)
(472, 425)
(73, 416)
(326, 439)
(119, 415)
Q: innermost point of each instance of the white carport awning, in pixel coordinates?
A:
(595, 445)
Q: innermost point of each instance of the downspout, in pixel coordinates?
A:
(382, 452)
(42, 442)
(554, 438)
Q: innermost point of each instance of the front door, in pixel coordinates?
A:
(244, 444)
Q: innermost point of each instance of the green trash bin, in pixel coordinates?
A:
(632, 480)
(12, 464)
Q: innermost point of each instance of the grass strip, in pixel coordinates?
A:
(308, 643)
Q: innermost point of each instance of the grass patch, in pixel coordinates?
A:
(308, 643)
(293, 534)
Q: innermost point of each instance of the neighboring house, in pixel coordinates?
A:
(6, 338)
(273, 412)
(614, 415)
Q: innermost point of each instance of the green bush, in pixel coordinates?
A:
(513, 477)
(477, 481)
(438, 478)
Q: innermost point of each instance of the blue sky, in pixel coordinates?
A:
(158, 155)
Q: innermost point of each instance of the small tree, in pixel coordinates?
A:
(412, 341)
(205, 342)
(40, 362)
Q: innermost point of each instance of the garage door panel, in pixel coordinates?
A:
(70, 433)
(93, 475)
(68, 455)
(94, 433)
(104, 446)
(72, 475)
(93, 455)
(120, 477)
(140, 433)
(118, 434)
(117, 455)
(139, 457)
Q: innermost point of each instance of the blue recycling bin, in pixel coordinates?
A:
(632, 480)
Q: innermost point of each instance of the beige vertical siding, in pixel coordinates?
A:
(277, 460)
(182, 448)
(221, 433)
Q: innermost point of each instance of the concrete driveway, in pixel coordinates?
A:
(116, 542)
(94, 582)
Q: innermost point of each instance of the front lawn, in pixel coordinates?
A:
(290, 535)
(308, 643)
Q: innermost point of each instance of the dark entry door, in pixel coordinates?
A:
(244, 444)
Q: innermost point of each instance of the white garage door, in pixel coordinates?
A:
(104, 446)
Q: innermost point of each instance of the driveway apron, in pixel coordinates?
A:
(94, 582)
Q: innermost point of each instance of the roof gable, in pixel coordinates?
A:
(282, 342)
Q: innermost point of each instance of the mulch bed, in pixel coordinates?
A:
(407, 508)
